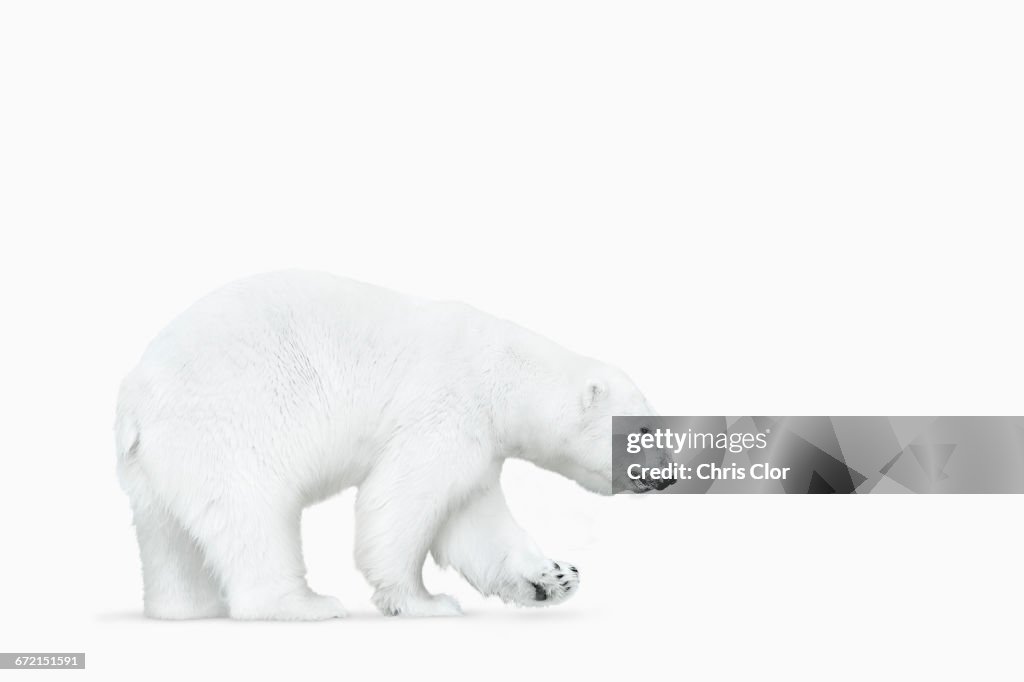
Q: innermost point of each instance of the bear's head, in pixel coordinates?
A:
(572, 426)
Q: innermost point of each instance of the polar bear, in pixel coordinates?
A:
(281, 390)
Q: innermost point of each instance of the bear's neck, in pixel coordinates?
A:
(532, 387)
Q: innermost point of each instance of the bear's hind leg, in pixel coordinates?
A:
(176, 584)
(486, 545)
(255, 548)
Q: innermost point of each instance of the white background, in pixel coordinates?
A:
(752, 208)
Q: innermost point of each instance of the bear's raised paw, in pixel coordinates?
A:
(555, 583)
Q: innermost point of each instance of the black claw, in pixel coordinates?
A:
(560, 576)
(568, 588)
(573, 569)
(557, 567)
(565, 584)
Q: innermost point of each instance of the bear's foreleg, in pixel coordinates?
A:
(485, 544)
(399, 510)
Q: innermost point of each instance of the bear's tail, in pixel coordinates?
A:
(127, 437)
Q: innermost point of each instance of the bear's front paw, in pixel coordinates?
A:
(416, 606)
(555, 582)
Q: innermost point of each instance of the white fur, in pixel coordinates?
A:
(281, 390)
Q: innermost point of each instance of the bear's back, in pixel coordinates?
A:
(299, 340)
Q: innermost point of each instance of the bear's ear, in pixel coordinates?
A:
(593, 392)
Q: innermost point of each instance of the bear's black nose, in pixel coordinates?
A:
(663, 483)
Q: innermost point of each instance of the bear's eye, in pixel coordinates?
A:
(645, 430)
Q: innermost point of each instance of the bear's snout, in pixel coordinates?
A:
(663, 483)
(661, 477)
